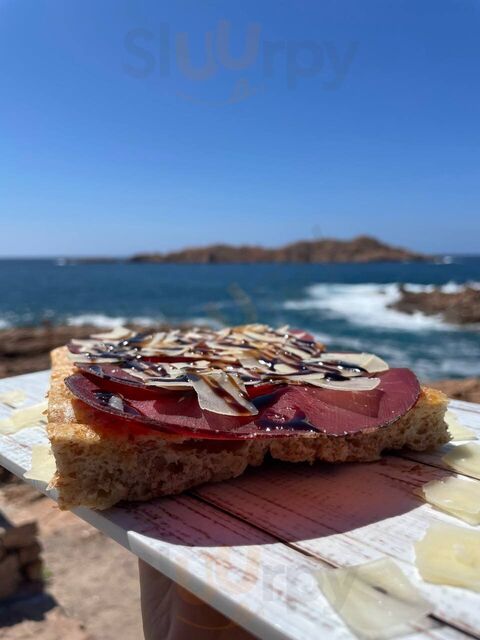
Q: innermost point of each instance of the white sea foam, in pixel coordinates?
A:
(205, 321)
(462, 368)
(110, 322)
(97, 320)
(449, 287)
(4, 324)
(367, 305)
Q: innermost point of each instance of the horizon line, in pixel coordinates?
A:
(129, 256)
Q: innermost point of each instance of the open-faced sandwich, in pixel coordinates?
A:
(135, 416)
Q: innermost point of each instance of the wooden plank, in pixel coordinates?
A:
(398, 517)
(469, 417)
(348, 514)
(222, 543)
(34, 385)
(465, 406)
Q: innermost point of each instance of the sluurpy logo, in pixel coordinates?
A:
(165, 54)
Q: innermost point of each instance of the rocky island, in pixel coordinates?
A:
(360, 249)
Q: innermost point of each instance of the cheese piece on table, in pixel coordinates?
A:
(457, 496)
(464, 458)
(450, 555)
(376, 600)
(457, 430)
(26, 417)
(13, 398)
(43, 464)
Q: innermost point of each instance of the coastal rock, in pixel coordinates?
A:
(467, 389)
(360, 249)
(461, 307)
(26, 349)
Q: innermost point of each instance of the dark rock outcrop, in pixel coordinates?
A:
(467, 389)
(462, 307)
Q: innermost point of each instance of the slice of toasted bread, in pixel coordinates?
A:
(101, 461)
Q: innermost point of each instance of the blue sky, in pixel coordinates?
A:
(346, 118)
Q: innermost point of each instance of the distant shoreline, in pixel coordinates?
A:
(362, 249)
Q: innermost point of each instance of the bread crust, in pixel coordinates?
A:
(101, 461)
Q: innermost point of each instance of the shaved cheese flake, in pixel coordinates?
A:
(464, 458)
(30, 416)
(170, 383)
(86, 359)
(367, 361)
(43, 465)
(118, 333)
(376, 600)
(262, 337)
(450, 555)
(456, 429)
(86, 344)
(6, 426)
(174, 381)
(318, 379)
(457, 496)
(352, 384)
(301, 353)
(285, 369)
(13, 398)
(165, 350)
(22, 418)
(156, 339)
(249, 362)
(283, 330)
(221, 393)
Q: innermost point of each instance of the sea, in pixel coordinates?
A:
(344, 305)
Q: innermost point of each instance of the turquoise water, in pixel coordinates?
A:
(346, 305)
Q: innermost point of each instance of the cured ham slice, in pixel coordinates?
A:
(282, 410)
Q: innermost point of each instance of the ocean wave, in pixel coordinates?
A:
(367, 305)
(13, 319)
(203, 321)
(435, 359)
(452, 366)
(449, 287)
(110, 322)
